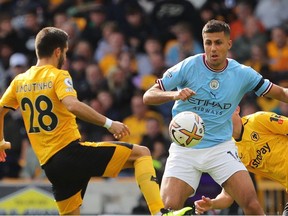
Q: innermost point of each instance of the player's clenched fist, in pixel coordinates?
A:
(184, 94)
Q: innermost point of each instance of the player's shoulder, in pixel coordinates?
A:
(192, 61)
(64, 72)
(261, 116)
(234, 63)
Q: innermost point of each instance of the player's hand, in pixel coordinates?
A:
(119, 130)
(6, 145)
(184, 94)
(203, 205)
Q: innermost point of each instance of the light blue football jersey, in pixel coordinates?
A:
(217, 93)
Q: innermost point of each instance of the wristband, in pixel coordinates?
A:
(108, 123)
(2, 142)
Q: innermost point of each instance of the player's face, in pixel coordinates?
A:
(62, 58)
(216, 46)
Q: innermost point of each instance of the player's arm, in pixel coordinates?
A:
(278, 92)
(88, 114)
(222, 201)
(155, 95)
(3, 144)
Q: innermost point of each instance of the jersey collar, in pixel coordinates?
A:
(220, 70)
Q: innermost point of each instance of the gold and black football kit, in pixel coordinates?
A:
(54, 135)
(263, 146)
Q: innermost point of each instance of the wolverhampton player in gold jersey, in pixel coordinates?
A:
(49, 106)
(262, 143)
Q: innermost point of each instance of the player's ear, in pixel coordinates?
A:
(229, 44)
(57, 52)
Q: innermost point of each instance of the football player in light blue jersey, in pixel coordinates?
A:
(212, 86)
(217, 95)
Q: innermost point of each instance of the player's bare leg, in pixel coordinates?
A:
(241, 188)
(175, 192)
(145, 176)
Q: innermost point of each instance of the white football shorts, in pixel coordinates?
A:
(188, 164)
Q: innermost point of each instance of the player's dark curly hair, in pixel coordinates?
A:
(213, 26)
(48, 39)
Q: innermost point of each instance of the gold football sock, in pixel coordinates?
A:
(146, 178)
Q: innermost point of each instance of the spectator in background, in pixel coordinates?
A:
(83, 48)
(95, 19)
(94, 80)
(151, 45)
(127, 62)
(138, 119)
(106, 101)
(136, 28)
(243, 11)
(59, 18)
(159, 66)
(8, 34)
(117, 44)
(251, 35)
(259, 60)
(272, 13)
(119, 84)
(74, 34)
(277, 51)
(167, 13)
(206, 13)
(103, 46)
(6, 50)
(77, 70)
(18, 63)
(184, 46)
(27, 33)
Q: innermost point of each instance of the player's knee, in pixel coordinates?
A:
(252, 205)
(172, 203)
(144, 151)
(140, 151)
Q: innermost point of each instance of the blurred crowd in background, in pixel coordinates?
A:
(118, 48)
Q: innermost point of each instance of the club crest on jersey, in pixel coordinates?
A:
(254, 136)
(214, 84)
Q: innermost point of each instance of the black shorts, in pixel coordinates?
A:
(70, 169)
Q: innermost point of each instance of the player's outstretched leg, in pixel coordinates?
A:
(146, 178)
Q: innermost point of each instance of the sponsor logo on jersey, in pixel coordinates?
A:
(276, 118)
(254, 163)
(213, 104)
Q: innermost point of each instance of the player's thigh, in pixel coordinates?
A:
(181, 178)
(105, 159)
(70, 169)
(223, 162)
(241, 188)
(174, 192)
